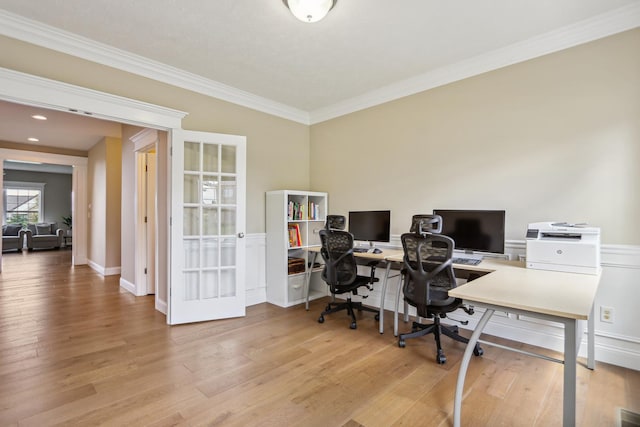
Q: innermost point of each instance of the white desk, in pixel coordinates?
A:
(560, 297)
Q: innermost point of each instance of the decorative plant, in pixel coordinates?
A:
(67, 220)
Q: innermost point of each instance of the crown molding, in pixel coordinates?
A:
(25, 88)
(37, 33)
(616, 21)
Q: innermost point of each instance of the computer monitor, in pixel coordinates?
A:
(474, 230)
(370, 226)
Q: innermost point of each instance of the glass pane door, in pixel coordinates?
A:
(208, 283)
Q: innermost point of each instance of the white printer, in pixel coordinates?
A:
(560, 246)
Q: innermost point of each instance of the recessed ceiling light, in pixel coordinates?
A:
(38, 117)
(33, 139)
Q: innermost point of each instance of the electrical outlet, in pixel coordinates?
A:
(606, 314)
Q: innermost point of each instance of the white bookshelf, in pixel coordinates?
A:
(303, 212)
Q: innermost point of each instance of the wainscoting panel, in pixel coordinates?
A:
(256, 273)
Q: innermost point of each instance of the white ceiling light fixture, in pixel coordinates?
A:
(310, 10)
(38, 117)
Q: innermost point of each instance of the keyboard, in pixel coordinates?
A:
(466, 261)
(365, 250)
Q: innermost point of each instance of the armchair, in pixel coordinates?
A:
(428, 276)
(340, 271)
(12, 237)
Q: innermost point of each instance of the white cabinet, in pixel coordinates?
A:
(294, 220)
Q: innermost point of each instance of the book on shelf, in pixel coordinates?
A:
(295, 239)
(314, 211)
(296, 211)
(296, 265)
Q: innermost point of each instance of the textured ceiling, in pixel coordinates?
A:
(260, 48)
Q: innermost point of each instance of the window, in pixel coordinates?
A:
(23, 202)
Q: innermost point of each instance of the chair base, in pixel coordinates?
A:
(437, 329)
(349, 306)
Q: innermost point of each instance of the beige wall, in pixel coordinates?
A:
(128, 205)
(97, 208)
(554, 138)
(104, 171)
(277, 149)
(113, 195)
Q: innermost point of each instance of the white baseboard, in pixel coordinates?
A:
(104, 271)
(161, 306)
(127, 286)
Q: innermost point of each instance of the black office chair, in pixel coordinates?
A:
(341, 273)
(427, 223)
(428, 275)
(335, 222)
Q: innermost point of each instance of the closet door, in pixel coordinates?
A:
(207, 227)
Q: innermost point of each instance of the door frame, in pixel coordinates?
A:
(78, 191)
(22, 88)
(143, 142)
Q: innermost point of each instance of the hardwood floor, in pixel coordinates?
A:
(76, 350)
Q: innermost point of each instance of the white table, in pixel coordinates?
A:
(566, 298)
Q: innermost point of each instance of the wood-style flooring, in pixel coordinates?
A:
(77, 350)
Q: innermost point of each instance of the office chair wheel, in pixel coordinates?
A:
(441, 358)
(478, 351)
(353, 325)
(401, 343)
(321, 319)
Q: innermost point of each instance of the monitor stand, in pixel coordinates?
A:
(467, 255)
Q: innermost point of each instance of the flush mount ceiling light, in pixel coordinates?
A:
(310, 10)
(39, 117)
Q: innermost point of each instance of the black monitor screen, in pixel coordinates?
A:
(372, 226)
(472, 230)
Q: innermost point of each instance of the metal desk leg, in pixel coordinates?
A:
(569, 385)
(591, 344)
(395, 309)
(307, 278)
(464, 364)
(382, 296)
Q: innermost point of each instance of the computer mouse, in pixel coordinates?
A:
(377, 251)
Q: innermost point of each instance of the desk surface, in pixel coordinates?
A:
(568, 295)
(512, 285)
(384, 255)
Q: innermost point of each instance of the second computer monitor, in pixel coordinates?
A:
(474, 230)
(370, 226)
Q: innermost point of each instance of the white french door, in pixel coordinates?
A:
(207, 232)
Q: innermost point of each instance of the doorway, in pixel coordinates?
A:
(146, 149)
